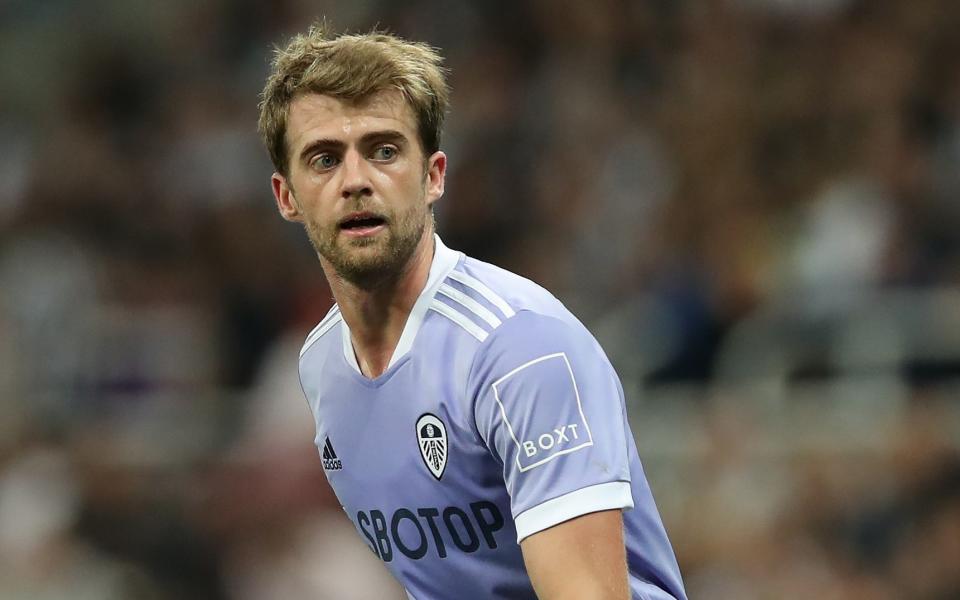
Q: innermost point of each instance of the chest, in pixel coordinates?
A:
(406, 463)
(407, 440)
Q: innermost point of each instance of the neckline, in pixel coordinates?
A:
(444, 261)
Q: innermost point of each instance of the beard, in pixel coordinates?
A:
(372, 262)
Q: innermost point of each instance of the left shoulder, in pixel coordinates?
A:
(511, 292)
(529, 338)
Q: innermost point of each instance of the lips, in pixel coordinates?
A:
(361, 220)
(362, 225)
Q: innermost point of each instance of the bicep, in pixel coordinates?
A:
(549, 408)
(582, 558)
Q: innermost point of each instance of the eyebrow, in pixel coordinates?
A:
(384, 134)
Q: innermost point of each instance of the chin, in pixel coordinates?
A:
(368, 274)
(364, 261)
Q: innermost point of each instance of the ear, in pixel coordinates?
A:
(436, 175)
(286, 201)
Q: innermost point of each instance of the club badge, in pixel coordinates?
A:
(432, 439)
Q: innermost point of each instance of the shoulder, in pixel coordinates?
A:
(530, 338)
(328, 323)
(486, 300)
(508, 306)
(479, 298)
(507, 318)
(507, 313)
(505, 287)
(531, 325)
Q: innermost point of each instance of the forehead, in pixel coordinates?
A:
(317, 116)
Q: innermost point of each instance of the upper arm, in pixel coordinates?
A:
(582, 558)
(550, 408)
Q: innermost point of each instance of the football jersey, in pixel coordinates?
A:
(498, 416)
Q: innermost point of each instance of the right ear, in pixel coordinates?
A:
(286, 201)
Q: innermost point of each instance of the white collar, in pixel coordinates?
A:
(444, 260)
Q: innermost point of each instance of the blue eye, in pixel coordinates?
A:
(324, 162)
(385, 152)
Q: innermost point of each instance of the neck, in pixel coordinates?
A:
(376, 315)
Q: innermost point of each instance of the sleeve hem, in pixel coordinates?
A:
(604, 496)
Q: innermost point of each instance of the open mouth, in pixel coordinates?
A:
(358, 222)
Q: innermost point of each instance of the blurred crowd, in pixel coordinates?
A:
(754, 204)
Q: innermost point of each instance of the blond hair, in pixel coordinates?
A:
(353, 68)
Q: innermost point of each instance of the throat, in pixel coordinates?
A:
(375, 329)
(376, 318)
(375, 337)
(373, 362)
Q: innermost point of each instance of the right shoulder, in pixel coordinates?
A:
(332, 318)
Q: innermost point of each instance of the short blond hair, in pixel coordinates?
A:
(353, 67)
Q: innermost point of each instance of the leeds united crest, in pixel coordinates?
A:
(432, 439)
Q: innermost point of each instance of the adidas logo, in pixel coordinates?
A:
(330, 460)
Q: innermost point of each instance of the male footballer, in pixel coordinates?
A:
(472, 428)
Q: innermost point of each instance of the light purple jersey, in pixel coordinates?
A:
(499, 416)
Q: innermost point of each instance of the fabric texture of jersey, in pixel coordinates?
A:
(498, 416)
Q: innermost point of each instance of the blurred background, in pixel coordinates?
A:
(754, 205)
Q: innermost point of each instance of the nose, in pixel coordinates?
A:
(356, 180)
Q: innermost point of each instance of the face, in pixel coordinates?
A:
(359, 182)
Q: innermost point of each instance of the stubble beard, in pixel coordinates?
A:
(356, 262)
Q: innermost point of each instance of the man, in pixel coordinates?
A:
(471, 427)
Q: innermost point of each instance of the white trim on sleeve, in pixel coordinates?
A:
(603, 496)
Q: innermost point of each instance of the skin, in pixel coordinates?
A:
(347, 157)
(580, 559)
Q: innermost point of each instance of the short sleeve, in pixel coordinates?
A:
(549, 406)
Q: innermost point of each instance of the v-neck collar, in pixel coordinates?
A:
(444, 261)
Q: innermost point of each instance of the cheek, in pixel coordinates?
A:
(414, 183)
(315, 193)
(403, 173)
(316, 180)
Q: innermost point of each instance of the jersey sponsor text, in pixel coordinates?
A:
(411, 531)
(547, 441)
